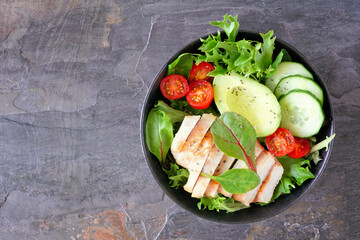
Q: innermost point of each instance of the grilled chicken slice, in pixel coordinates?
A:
(267, 188)
(194, 139)
(198, 161)
(258, 149)
(212, 189)
(223, 166)
(263, 164)
(209, 168)
(183, 133)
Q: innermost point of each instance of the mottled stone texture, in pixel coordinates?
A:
(73, 75)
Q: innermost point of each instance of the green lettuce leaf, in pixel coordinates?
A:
(323, 144)
(174, 115)
(312, 140)
(286, 56)
(184, 106)
(263, 56)
(315, 157)
(220, 203)
(249, 58)
(159, 134)
(182, 65)
(296, 171)
(314, 154)
(230, 25)
(274, 66)
(178, 176)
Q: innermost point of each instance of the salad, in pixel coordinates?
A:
(236, 125)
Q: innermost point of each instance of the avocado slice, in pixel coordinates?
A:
(251, 99)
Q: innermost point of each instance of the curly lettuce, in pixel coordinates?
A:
(220, 203)
(296, 171)
(178, 176)
(249, 58)
(314, 154)
(323, 144)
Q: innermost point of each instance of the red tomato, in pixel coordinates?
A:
(174, 86)
(302, 147)
(199, 72)
(280, 143)
(200, 94)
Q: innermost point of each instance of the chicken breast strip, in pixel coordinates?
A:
(263, 164)
(224, 165)
(210, 165)
(183, 133)
(193, 142)
(266, 190)
(197, 162)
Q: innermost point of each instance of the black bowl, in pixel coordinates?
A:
(256, 212)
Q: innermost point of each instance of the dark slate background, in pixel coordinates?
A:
(73, 76)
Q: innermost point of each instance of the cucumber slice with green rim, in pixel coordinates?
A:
(298, 82)
(287, 69)
(301, 113)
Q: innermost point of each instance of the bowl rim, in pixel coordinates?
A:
(313, 181)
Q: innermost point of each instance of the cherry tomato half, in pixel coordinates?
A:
(302, 147)
(174, 86)
(200, 94)
(200, 72)
(281, 142)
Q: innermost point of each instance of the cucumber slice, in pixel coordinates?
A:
(301, 113)
(298, 82)
(287, 69)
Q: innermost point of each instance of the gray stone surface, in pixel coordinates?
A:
(73, 75)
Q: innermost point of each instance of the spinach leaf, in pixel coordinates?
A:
(159, 134)
(235, 136)
(178, 176)
(182, 65)
(173, 114)
(183, 105)
(220, 203)
(236, 181)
